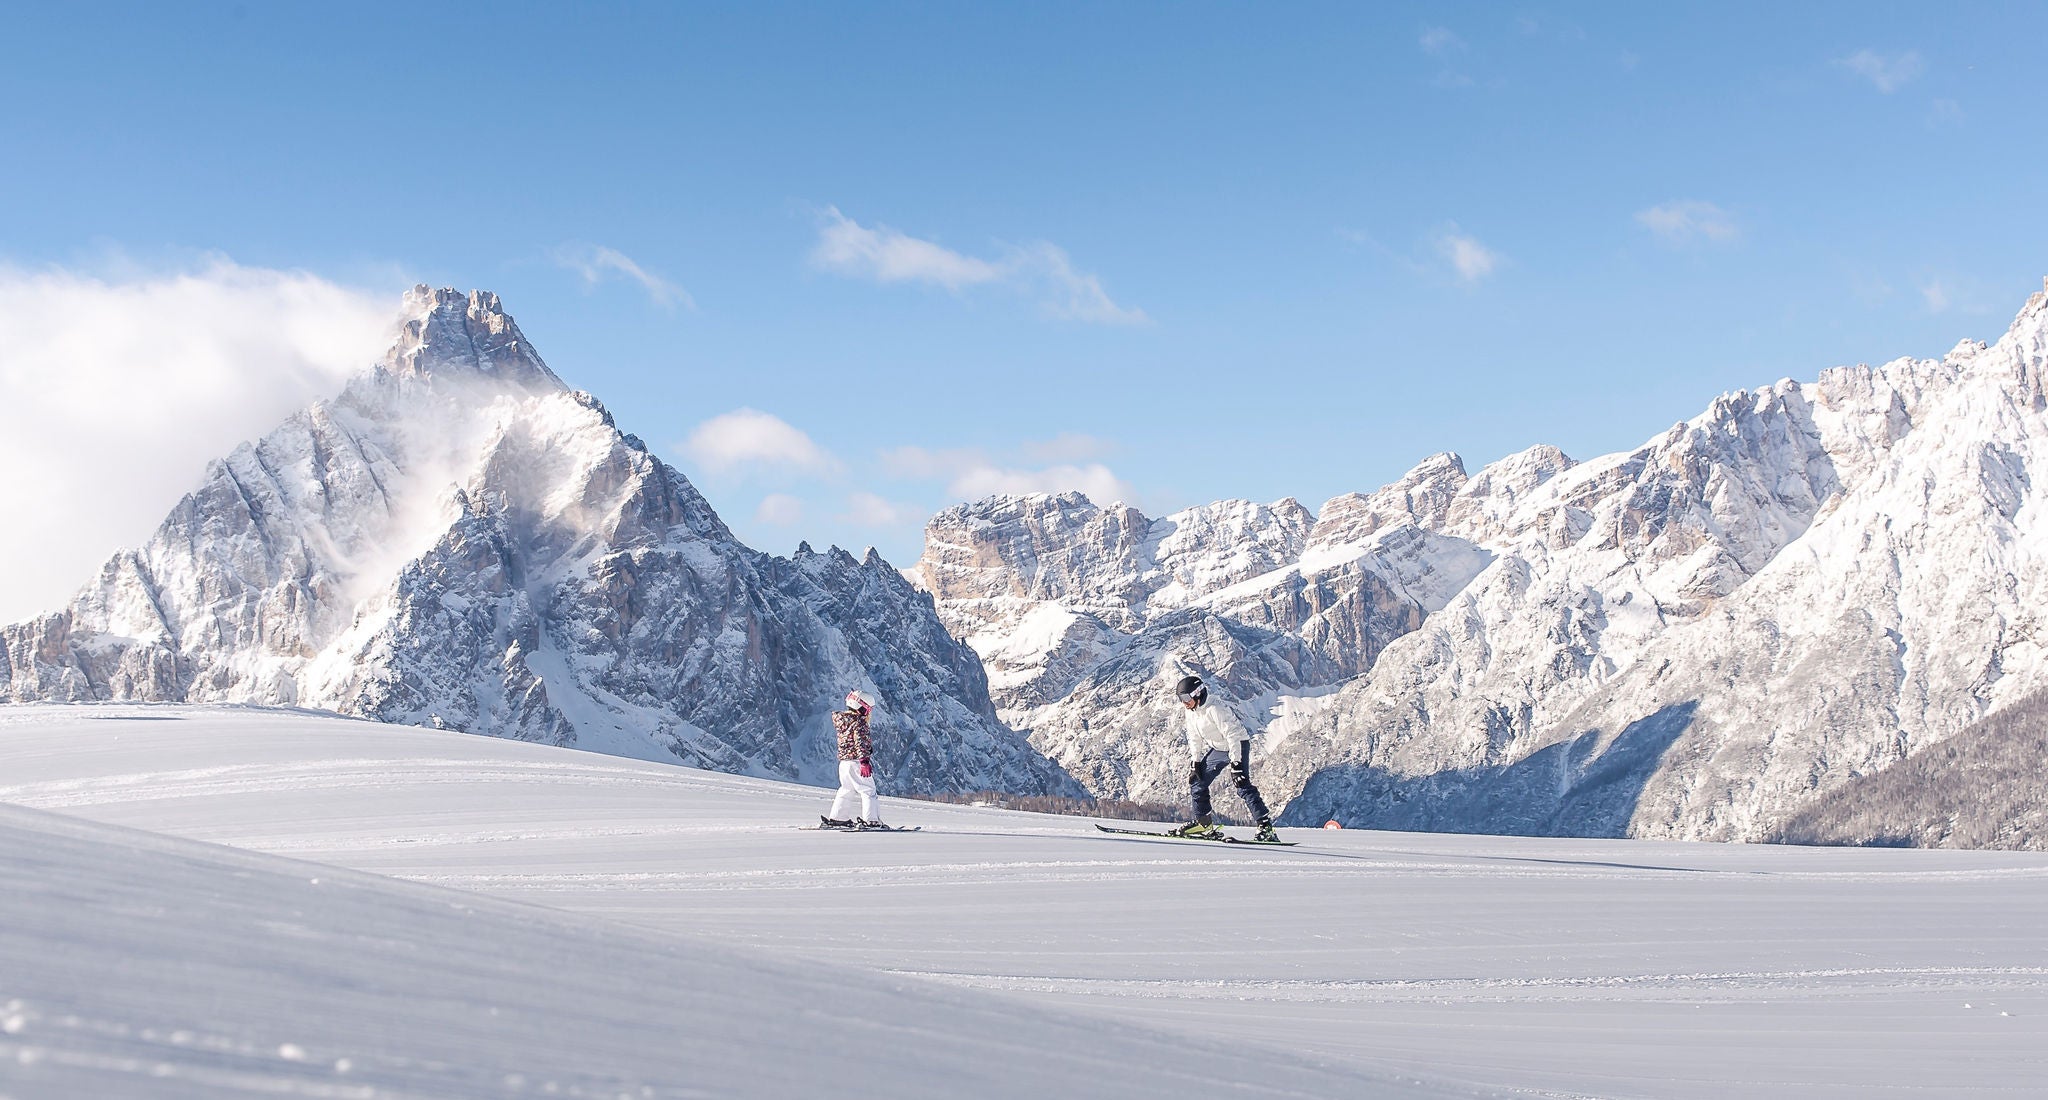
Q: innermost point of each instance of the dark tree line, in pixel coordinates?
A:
(1986, 787)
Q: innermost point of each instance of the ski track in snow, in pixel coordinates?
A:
(1401, 963)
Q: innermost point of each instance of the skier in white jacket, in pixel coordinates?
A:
(1215, 740)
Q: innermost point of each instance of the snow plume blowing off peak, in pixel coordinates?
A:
(459, 540)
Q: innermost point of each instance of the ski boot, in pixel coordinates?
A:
(1199, 830)
(864, 823)
(835, 823)
(1266, 833)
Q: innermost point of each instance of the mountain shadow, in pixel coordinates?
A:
(1576, 787)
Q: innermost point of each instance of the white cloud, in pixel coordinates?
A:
(1094, 480)
(870, 510)
(1888, 74)
(884, 255)
(1945, 112)
(596, 263)
(120, 390)
(1686, 220)
(1072, 294)
(971, 473)
(779, 510)
(746, 438)
(1066, 447)
(1472, 260)
(1935, 295)
(847, 247)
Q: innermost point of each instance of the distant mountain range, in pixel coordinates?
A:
(459, 540)
(1806, 585)
(1775, 621)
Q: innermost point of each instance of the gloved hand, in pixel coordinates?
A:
(867, 768)
(1195, 773)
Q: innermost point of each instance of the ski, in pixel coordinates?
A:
(821, 828)
(1175, 836)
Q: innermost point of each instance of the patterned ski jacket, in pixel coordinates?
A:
(854, 742)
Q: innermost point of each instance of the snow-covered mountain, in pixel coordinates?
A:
(1804, 584)
(460, 540)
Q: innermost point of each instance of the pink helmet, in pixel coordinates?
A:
(858, 700)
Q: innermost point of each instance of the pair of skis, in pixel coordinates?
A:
(824, 825)
(1220, 838)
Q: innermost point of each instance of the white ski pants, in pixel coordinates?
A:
(853, 785)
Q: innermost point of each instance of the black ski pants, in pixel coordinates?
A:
(1205, 771)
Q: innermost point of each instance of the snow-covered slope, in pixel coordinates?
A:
(1804, 584)
(460, 540)
(678, 937)
(140, 966)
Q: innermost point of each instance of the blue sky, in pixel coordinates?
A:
(1181, 251)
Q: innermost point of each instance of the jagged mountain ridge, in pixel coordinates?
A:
(458, 539)
(1804, 584)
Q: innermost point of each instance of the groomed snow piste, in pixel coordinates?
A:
(386, 911)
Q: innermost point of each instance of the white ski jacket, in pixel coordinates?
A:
(1210, 726)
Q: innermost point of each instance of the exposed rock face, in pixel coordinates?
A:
(1082, 613)
(1805, 584)
(460, 540)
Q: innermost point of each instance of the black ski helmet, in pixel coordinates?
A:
(1190, 690)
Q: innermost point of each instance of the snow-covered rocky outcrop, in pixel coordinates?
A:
(1806, 583)
(458, 539)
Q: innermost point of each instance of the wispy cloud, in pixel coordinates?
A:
(597, 263)
(1935, 295)
(1445, 46)
(872, 510)
(1683, 221)
(1472, 260)
(1945, 112)
(748, 439)
(846, 247)
(885, 255)
(1954, 292)
(1438, 41)
(1067, 447)
(120, 388)
(1464, 255)
(971, 474)
(779, 510)
(1888, 73)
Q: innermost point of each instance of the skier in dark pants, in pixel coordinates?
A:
(1217, 740)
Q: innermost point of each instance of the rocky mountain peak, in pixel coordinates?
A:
(1422, 496)
(443, 333)
(461, 541)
